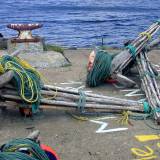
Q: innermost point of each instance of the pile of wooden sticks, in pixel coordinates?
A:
(121, 61)
(74, 99)
(149, 84)
(61, 97)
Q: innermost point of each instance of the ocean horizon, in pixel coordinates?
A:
(81, 23)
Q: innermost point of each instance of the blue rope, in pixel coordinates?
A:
(17, 145)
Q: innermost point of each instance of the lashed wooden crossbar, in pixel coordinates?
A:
(149, 84)
(122, 60)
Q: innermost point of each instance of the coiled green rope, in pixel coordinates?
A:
(15, 156)
(101, 69)
(16, 145)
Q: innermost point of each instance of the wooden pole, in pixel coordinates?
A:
(65, 96)
(5, 78)
(76, 92)
(75, 105)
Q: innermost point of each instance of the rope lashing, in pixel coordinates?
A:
(149, 36)
(152, 75)
(82, 101)
(23, 144)
(26, 79)
(157, 109)
(158, 21)
(146, 107)
(132, 50)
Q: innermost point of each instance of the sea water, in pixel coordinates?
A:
(81, 23)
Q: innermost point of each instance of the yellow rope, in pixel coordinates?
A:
(80, 118)
(26, 65)
(10, 66)
(146, 34)
(125, 118)
(84, 118)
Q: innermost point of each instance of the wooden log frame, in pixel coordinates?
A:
(68, 98)
(93, 101)
(122, 60)
(72, 97)
(55, 91)
(88, 105)
(76, 92)
(149, 84)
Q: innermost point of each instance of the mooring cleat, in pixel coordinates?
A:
(25, 32)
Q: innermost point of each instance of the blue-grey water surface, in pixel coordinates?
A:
(81, 23)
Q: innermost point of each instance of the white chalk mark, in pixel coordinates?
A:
(88, 91)
(119, 87)
(102, 118)
(104, 125)
(75, 82)
(132, 92)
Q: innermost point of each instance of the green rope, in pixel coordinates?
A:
(15, 156)
(156, 110)
(100, 70)
(148, 114)
(32, 147)
(152, 75)
(132, 50)
(158, 21)
(146, 107)
(26, 80)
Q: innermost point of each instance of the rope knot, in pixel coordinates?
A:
(146, 34)
(132, 50)
(82, 101)
(146, 107)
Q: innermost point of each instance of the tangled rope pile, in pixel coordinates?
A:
(101, 68)
(22, 149)
(26, 79)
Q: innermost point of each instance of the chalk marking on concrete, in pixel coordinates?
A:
(105, 125)
(145, 138)
(132, 92)
(71, 82)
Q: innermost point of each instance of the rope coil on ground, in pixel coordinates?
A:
(26, 79)
(101, 68)
(17, 147)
